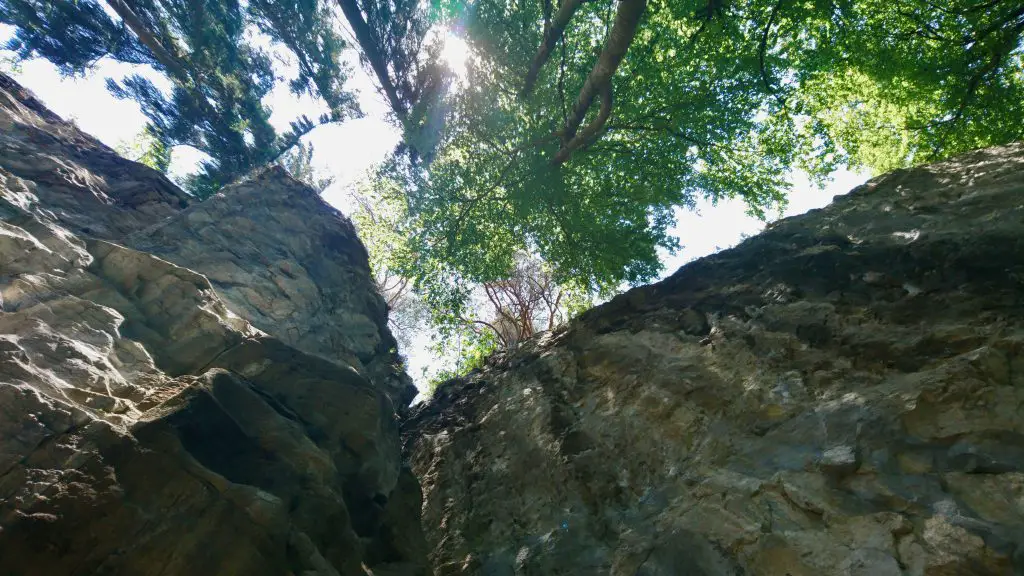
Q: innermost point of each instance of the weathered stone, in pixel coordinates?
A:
(146, 425)
(292, 266)
(854, 408)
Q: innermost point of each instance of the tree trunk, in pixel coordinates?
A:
(172, 62)
(553, 31)
(598, 83)
(371, 50)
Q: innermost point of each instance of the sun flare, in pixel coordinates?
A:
(456, 54)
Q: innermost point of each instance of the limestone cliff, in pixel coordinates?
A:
(842, 394)
(154, 420)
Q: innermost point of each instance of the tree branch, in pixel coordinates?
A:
(163, 55)
(501, 337)
(553, 31)
(372, 51)
(661, 128)
(598, 82)
(591, 131)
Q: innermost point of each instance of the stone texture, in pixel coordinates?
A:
(293, 266)
(842, 394)
(154, 423)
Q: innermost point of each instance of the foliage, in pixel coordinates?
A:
(892, 84)
(525, 301)
(308, 30)
(400, 45)
(146, 149)
(73, 34)
(380, 216)
(469, 318)
(299, 163)
(10, 64)
(471, 349)
(219, 74)
(580, 126)
(710, 99)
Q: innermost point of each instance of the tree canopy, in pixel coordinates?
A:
(219, 73)
(582, 126)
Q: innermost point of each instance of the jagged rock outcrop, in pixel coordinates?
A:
(291, 265)
(842, 394)
(154, 422)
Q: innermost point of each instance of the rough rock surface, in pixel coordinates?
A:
(154, 423)
(290, 264)
(842, 394)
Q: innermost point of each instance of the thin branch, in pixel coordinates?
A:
(501, 337)
(661, 128)
(561, 87)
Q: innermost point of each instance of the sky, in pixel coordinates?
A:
(346, 151)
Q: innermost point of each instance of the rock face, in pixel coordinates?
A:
(842, 394)
(291, 265)
(156, 420)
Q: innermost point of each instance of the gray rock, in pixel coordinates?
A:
(151, 421)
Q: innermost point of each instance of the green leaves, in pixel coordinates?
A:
(718, 100)
(584, 166)
(211, 52)
(147, 149)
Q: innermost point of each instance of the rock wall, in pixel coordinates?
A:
(156, 420)
(842, 394)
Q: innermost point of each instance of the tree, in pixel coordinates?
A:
(503, 314)
(525, 302)
(218, 76)
(397, 46)
(467, 318)
(894, 84)
(472, 349)
(582, 126)
(380, 216)
(146, 149)
(73, 34)
(308, 29)
(299, 163)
